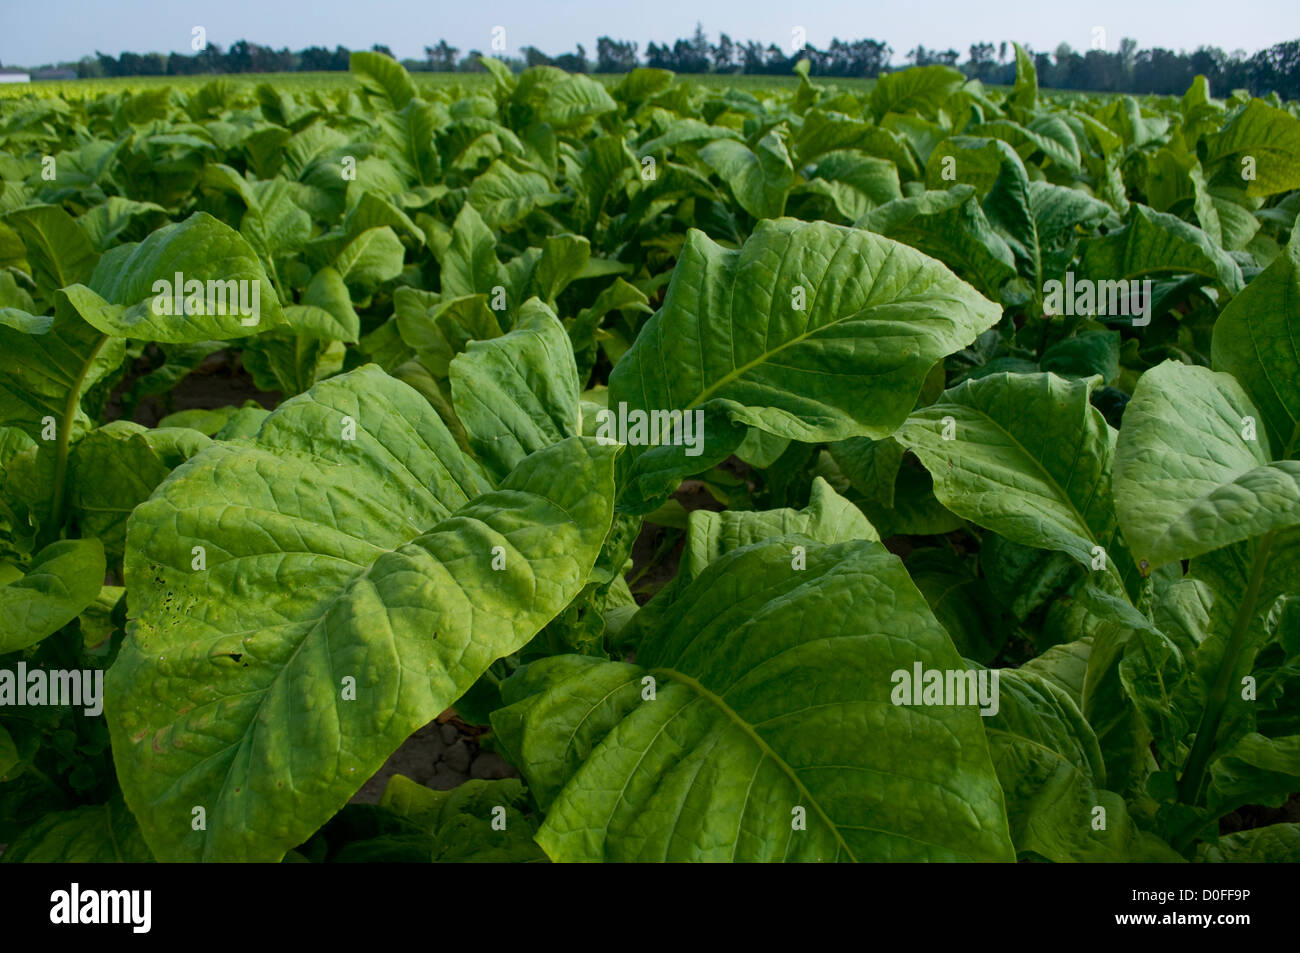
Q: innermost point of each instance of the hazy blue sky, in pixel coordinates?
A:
(40, 31)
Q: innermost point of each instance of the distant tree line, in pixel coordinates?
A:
(1127, 69)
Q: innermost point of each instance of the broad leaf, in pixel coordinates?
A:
(1269, 138)
(383, 76)
(1191, 474)
(1050, 768)
(1025, 455)
(759, 178)
(759, 723)
(1256, 341)
(518, 393)
(951, 227)
(809, 331)
(1154, 243)
(351, 540)
(59, 250)
(62, 580)
(134, 291)
(97, 834)
(1277, 843)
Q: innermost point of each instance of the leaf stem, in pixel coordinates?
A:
(1189, 786)
(70, 404)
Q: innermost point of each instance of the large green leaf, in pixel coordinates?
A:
(760, 178)
(50, 363)
(505, 196)
(370, 259)
(327, 558)
(921, 89)
(1025, 455)
(759, 720)
(469, 263)
(1046, 134)
(951, 227)
(518, 393)
(1051, 771)
(1266, 135)
(731, 340)
(1277, 843)
(1256, 770)
(854, 182)
(97, 834)
(461, 824)
(573, 99)
(1155, 243)
(57, 247)
(684, 131)
(108, 220)
(1024, 94)
(438, 328)
(382, 76)
(828, 518)
(63, 579)
(870, 466)
(124, 297)
(1256, 341)
(1038, 220)
(115, 467)
(326, 312)
(823, 132)
(1190, 474)
(710, 535)
(1235, 614)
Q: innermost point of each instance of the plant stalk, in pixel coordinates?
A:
(55, 527)
(1189, 786)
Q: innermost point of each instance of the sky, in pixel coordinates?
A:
(34, 32)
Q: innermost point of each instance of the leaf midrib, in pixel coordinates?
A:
(758, 741)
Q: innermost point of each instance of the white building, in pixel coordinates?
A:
(14, 76)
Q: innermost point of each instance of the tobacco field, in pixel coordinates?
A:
(803, 473)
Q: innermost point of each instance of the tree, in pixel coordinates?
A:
(700, 44)
(442, 58)
(753, 58)
(572, 62)
(1128, 51)
(239, 58)
(1046, 71)
(658, 57)
(692, 56)
(1162, 71)
(535, 57)
(1277, 70)
(471, 63)
(318, 58)
(981, 65)
(860, 58)
(615, 56)
(724, 55)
